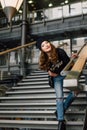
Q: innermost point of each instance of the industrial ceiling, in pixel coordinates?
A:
(33, 5)
(43, 4)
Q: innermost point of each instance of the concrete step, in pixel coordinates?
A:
(27, 97)
(38, 91)
(39, 105)
(33, 90)
(74, 125)
(84, 87)
(36, 87)
(37, 97)
(36, 76)
(28, 123)
(45, 114)
(28, 106)
(28, 114)
(33, 83)
(35, 79)
(75, 115)
(33, 124)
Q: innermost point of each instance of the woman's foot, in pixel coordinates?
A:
(55, 113)
(62, 125)
(76, 92)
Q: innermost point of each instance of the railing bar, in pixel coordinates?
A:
(19, 47)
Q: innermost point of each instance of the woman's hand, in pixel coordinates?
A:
(52, 74)
(74, 55)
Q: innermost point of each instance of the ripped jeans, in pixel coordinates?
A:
(60, 103)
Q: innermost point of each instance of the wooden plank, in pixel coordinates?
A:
(75, 72)
(72, 61)
(79, 64)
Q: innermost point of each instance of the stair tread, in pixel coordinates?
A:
(51, 125)
(38, 122)
(43, 91)
(24, 104)
(29, 97)
(30, 91)
(39, 82)
(37, 75)
(27, 111)
(37, 104)
(38, 112)
(38, 96)
(75, 112)
(32, 87)
(35, 79)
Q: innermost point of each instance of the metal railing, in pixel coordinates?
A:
(10, 63)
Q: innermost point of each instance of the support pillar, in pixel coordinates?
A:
(23, 37)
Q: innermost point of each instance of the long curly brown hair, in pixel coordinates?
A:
(44, 61)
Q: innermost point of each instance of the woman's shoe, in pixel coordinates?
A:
(62, 125)
(56, 113)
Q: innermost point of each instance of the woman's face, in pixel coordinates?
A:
(46, 46)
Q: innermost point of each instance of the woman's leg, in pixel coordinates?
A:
(58, 85)
(70, 99)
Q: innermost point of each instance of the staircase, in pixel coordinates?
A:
(31, 105)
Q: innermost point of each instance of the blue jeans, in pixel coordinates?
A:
(60, 103)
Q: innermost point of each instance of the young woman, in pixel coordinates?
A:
(49, 57)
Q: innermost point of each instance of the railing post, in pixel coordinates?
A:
(8, 63)
(85, 121)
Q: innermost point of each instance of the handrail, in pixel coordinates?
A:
(19, 47)
(69, 65)
(23, 46)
